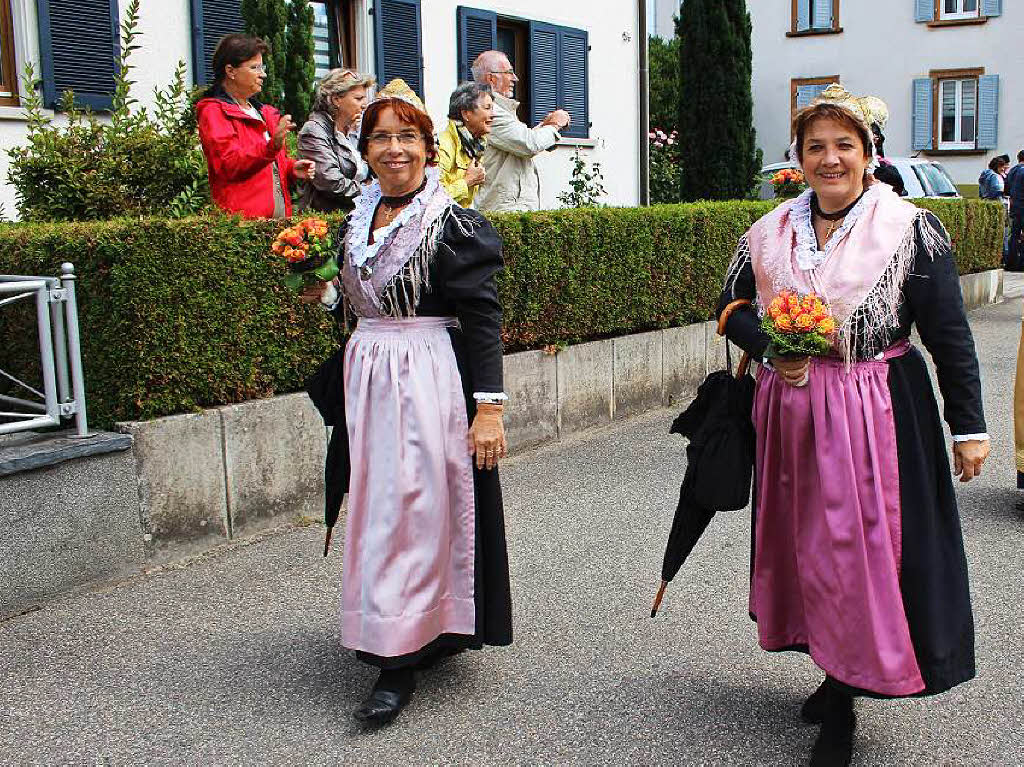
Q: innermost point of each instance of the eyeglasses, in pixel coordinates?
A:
(503, 72)
(262, 68)
(405, 138)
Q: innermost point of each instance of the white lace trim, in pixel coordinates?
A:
(361, 219)
(807, 254)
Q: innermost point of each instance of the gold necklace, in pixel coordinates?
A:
(832, 227)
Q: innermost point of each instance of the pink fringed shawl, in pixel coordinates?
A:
(861, 271)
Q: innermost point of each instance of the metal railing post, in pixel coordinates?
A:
(60, 346)
(67, 279)
(46, 352)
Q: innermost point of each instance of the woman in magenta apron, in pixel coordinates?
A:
(858, 555)
(425, 567)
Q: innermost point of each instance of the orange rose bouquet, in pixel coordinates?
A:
(306, 248)
(788, 182)
(798, 326)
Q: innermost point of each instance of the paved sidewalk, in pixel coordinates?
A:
(235, 659)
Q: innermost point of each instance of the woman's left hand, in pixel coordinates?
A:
(305, 169)
(968, 458)
(487, 436)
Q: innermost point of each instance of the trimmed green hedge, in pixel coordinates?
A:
(182, 314)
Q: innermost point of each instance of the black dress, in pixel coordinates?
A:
(462, 285)
(933, 581)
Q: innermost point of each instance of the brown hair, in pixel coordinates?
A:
(233, 50)
(825, 111)
(407, 114)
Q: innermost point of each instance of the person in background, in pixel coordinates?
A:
(244, 140)
(990, 182)
(512, 182)
(461, 146)
(339, 103)
(1014, 190)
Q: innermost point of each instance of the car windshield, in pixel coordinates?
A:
(937, 178)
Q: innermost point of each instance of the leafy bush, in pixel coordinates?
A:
(183, 314)
(585, 184)
(135, 164)
(663, 80)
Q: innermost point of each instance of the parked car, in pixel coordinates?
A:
(921, 177)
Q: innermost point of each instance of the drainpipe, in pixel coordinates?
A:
(645, 105)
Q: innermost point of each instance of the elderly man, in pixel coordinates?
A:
(512, 181)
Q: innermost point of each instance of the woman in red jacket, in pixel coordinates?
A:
(243, 140)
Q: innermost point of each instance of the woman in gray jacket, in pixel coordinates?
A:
(341, 97)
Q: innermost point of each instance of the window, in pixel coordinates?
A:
(958, 113)
(334, 35)
(79, 44)
(815, 17)
(955, 110)
(550, 61)
(8, 67)
(958, 9)
(804, 90)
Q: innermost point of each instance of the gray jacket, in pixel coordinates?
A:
(512, 181)
(339, 168)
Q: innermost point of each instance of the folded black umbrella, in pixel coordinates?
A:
(326, 387)
(719, 461)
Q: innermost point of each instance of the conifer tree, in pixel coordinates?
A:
(299, 69)
(268, 20)
(716, 130)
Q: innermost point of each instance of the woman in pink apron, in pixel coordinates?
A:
(425, 566)
(858, 555)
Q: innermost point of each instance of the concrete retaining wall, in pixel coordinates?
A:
(197, 480)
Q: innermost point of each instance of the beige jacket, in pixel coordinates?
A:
(512, 182)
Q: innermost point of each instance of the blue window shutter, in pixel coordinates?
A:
(478, 32)
(922, 114)
(805, 94)
(988, 112)
(211, 20)
(991, 7)
(823, 14)
(574, 96)
(544, 70)
(79, 45)
(803, 15)
(399, 42)
(924, 10)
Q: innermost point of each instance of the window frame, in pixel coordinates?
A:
(939, 76)
(341, 30)
(941, 14)
(958, 142)
(10, 95)
(794, 30)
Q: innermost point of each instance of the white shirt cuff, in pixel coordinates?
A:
(968, 437)
(482, 395)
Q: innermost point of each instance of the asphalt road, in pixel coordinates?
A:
(235, 658)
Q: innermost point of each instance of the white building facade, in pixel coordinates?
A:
(566, 55)
(948, 70)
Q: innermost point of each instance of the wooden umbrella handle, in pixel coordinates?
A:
(658, 598)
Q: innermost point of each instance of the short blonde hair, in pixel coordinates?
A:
(338, 82)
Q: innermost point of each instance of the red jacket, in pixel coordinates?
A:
(240, 158)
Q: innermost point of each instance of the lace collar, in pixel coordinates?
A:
(361, 219)
(807, 254)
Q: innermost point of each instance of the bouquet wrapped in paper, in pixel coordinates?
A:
(798, 326)
(308, 251)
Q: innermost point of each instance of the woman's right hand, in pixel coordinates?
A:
(475, 174)
(312, 294)
(792, 369)
(284, 125)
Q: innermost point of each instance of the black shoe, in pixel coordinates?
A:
(834, 746)
(389, 696)
(813, 709)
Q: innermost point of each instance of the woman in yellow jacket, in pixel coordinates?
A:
(461, 145)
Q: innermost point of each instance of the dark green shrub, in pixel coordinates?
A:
(183, 314)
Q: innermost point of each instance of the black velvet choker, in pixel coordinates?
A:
(403, 199)
(816, 209)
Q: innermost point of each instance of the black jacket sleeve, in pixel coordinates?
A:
(743, 327)
(933, 296)
(469, 260)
